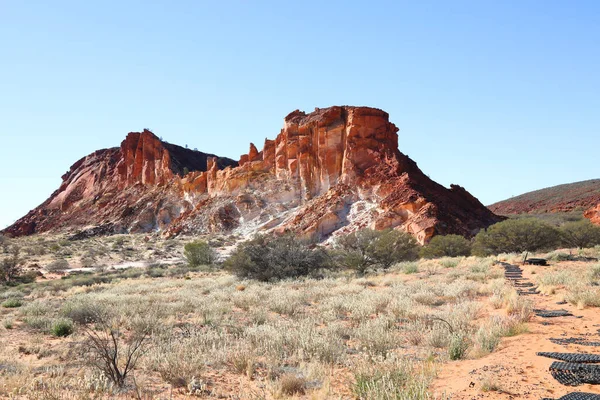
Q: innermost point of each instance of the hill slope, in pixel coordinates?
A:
(577, 196)
(332, 171)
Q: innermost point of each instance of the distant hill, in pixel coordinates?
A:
(578, 196)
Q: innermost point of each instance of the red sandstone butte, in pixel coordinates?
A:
(330, 172)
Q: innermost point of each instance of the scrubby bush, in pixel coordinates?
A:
(10, 266)
(114, 344)
(268, 258)
(581, 234)
(367, 248)
(62, 327)
(58, 265)
(81, 310)
(199, 253)
(12, 303)
(516, 236)
(446, 246)
(458, 346)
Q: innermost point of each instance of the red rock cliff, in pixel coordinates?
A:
(593, 214)
(329, 172)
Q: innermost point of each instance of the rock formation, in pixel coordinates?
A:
(328, 172)
(593, 214)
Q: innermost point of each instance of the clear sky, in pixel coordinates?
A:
(501, 97)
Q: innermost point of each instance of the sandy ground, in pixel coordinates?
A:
(515, 368)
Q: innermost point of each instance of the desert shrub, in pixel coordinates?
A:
(58, 265)
(154, 272)
(12, 303)
(10, 266)
(62, 327)
(409, 267)
(488, 338)
(519, 308)
(458, 346)
(178, 359)
(584, 296)
(81, 310)
(199, 253)
(516, 236)
(446, 246)
(114, 345)
(9, 294)
(267, 258)
(8, 323)
(366, 248)
(558, 256)
(594, 273)
(39, 323)
(292, 384)
(399, 379)
(581, 234)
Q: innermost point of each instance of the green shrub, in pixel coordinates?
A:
(409, 267)
(62, 327)
(268, 258)
(516, 236)
(12, 303)
(458, 347)
(446, 246)
(366, 248)
(199, 253)
(8, 323)
(581, 234)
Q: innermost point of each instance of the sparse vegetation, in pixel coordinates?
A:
(384, 334)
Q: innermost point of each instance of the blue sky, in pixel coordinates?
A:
(501, 97)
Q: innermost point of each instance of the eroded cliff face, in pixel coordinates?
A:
(329, 172)
(131, 188)
(593, 214)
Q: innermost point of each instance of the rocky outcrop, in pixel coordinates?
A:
(131, 188)
(329, 172)
(593, 214)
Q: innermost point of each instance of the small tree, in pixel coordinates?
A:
(11, 267)
(268, 258)
(366, 248)
(446, 246)
(199, 253)
(516, 236)
(580, 234)
(115, 344)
